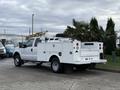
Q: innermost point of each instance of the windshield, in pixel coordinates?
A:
(29, 43)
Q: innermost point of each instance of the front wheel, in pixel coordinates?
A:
(17, 61)
(56, 66)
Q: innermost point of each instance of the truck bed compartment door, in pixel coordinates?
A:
(41, 52)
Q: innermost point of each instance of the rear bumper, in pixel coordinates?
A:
(101, 61)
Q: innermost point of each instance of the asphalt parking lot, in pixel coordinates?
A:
(30, 77)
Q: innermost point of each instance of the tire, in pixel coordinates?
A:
(56, 66)
(17, 61)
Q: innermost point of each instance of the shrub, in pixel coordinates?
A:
(118, 51)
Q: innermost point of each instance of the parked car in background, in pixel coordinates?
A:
(9, 46)
(2, 51)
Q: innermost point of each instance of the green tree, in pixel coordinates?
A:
(84, 31)
(102, 34)
(95, 33)
(110, 37)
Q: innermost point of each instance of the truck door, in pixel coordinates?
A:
(38, 40)
(27, 52)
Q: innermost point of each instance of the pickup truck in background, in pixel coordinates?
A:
(62, 53)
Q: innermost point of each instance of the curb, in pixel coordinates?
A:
(108, 70)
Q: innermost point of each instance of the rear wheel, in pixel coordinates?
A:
(56, 66)
(17, 61)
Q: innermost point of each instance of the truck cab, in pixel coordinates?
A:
(28, 49)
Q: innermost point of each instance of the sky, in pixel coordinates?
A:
(54, 15)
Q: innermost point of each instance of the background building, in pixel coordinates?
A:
(13, 37)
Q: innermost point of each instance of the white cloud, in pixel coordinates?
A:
(55, 15)
(9, 2)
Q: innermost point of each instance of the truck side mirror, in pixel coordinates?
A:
(24, 45)
(46, 39)
(20, 45)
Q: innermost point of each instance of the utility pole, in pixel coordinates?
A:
(4, 31)
(32, 23)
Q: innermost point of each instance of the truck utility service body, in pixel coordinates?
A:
(62, 50)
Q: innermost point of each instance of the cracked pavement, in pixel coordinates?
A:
(30, 77)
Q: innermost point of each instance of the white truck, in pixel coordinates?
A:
(62, 53)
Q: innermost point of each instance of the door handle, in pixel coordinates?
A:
(31, 49)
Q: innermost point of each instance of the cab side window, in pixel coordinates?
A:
(29, 43)
(38, 40)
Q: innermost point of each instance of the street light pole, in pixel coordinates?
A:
(32, 23)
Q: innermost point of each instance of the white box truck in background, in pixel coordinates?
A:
(62, 53)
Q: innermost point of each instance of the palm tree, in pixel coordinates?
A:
(79, 30)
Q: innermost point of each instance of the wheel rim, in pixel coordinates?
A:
(55, 66)
(16, 61)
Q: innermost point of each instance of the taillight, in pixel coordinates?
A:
(100, 46)
(77, 47)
